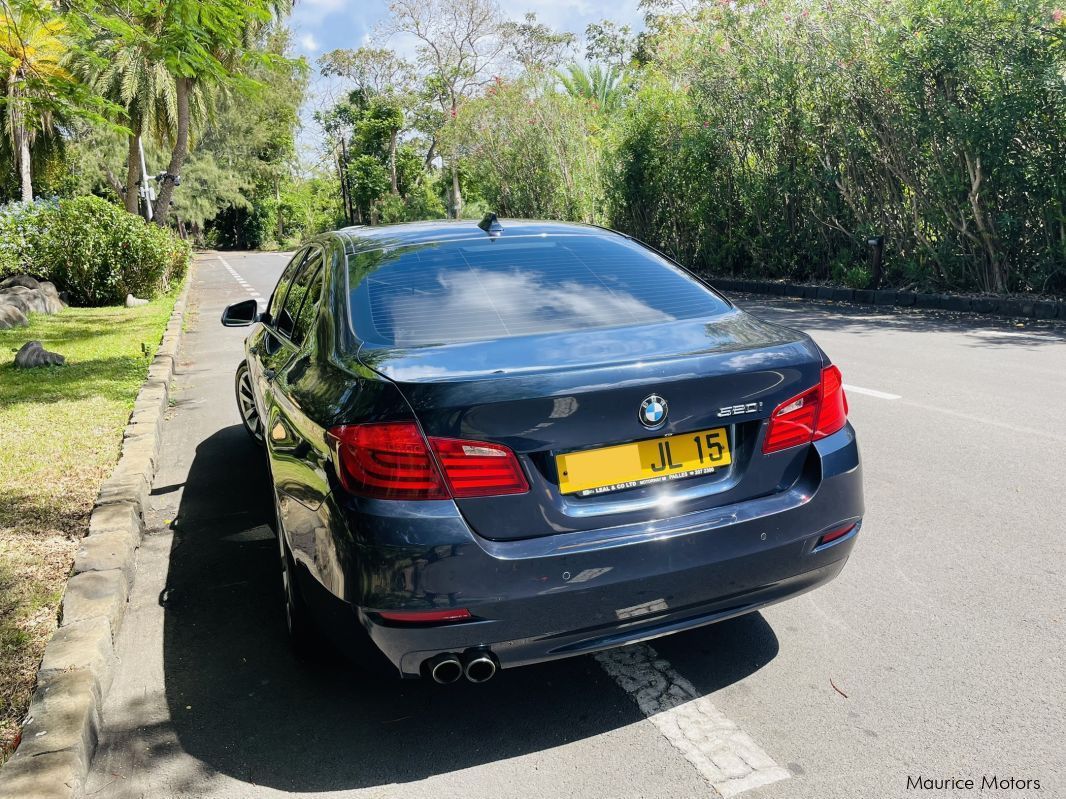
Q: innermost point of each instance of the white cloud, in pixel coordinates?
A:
(308, 42)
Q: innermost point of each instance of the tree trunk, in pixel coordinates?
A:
(183, 86)
(281, 218)
(342, 170)
(431, 155)
(133, 172)
(24, 162)
(457, 196)
(392, 162)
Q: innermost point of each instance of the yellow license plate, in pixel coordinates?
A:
(597, 471)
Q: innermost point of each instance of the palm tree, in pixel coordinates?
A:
(32, 48)
(124, 72)
(208, 44)
(604, 86)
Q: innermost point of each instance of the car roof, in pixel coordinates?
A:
(361, 238)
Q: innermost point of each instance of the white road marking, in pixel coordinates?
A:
(970, 417)
(870, 392)
(721, 752)
(244, 283)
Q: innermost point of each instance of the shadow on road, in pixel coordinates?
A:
(861, 320)
(242, 704)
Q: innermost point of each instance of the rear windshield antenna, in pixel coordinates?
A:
(491, 225)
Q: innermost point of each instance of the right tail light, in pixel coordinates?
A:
(816, 413)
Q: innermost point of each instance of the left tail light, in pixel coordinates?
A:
(816, 413)
(393, 460)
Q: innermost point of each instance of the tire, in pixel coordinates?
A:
(298, 620)
(246, 406)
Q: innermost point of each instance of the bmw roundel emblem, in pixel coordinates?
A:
(653, 412)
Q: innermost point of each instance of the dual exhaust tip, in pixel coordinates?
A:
(477, 665)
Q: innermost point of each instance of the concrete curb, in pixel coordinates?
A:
(985, 306)
(61, 730)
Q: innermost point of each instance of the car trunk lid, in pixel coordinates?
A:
(557, 393)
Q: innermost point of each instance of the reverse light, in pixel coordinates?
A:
(393, 460)
(479, 469)
(816, 413)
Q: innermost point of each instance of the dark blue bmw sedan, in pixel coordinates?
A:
(501, 443)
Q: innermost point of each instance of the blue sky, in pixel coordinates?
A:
(322, 25)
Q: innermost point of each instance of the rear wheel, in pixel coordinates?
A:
(297, 618)
(246, 403)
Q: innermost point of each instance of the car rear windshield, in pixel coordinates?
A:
(476, 290)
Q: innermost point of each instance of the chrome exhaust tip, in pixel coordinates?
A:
(479, 666)
(444, 669)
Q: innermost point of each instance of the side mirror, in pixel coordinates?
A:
(241, 314)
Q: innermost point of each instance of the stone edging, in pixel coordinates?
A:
(62, 727)
(1000, 306)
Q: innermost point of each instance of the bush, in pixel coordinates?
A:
(774, 138)
(529, 151)
(20, 230)
(92, 249)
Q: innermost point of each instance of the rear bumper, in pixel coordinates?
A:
(573, 593)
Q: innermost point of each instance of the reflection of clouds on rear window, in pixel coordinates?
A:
(451, 292)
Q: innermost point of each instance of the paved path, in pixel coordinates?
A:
(945, 632)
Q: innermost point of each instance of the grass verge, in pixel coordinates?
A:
(60, 435)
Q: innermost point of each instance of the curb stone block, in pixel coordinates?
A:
(139, 460)
(956, 304)
(826, 293)
(58, 739)
(983, 304)
(83, 646)
(810, 292)
(844, 295)
(905, 299)
(48, 775)
(106, 551)
(1045, 310)
(116, 517)
(125, 487)
(793, 290)
(148, 418)
(142, 442)
(885, 297)
(92, 595)
(1009, 307)
(864, 295)
(927, 301)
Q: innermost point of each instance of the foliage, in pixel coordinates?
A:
(531, 153)
(21, 228)
(535, 46)
(38, 88)
(92, 249)
(773, 140)
(602, 86)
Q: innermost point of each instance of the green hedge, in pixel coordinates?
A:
(772, 139)
(90, 248)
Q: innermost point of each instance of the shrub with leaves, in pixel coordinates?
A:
(775, 138)
(20, 229)
(92, 249)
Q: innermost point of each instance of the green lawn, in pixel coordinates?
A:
(60, 434)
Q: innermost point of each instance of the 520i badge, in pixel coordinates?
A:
(736, 410)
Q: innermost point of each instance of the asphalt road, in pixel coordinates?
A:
(939, 652)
